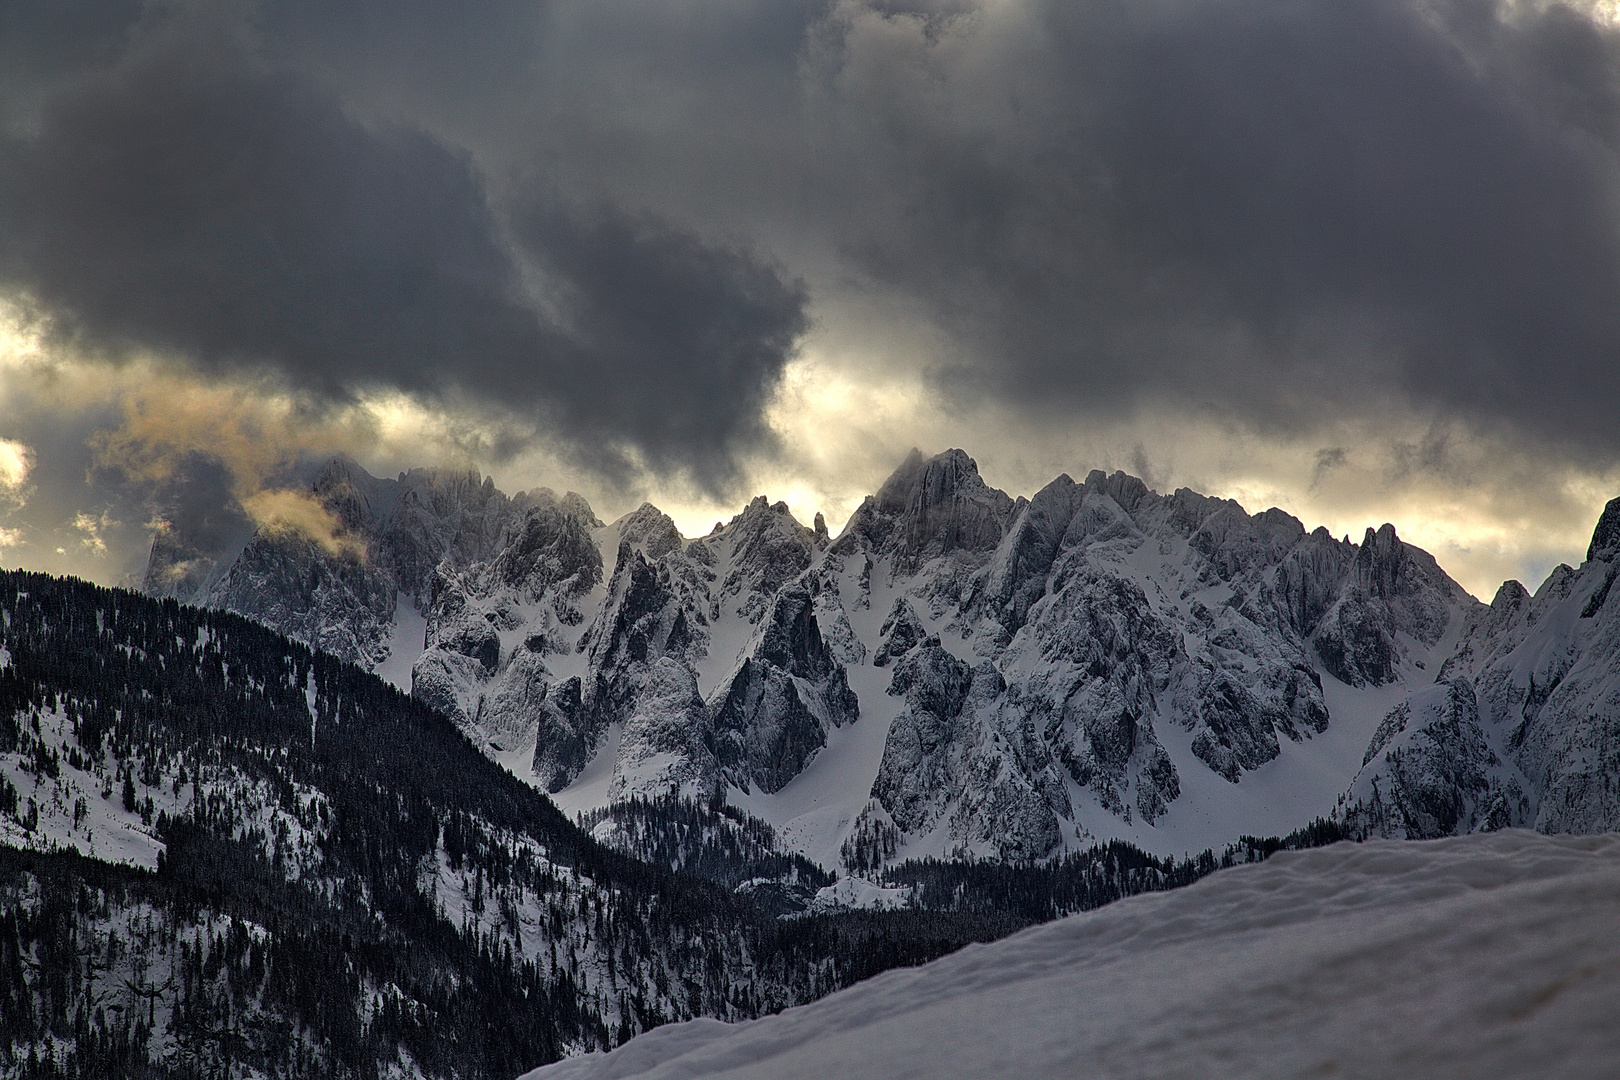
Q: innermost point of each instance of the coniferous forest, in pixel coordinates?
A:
(335, 882)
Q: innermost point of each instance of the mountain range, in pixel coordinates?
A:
(624, 778)
(959, 672)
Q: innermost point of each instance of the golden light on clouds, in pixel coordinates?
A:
(16, 460)
(302, 513)
(90, 527)
(842, 418)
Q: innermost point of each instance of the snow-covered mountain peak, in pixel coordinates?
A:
(1536, 743)
(650, 531)
(1510, 596)
(759, 551)
(1110, 661)
(932, 508)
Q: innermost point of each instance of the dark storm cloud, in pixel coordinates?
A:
(193, 198)
(1287, 209)
(682, 331)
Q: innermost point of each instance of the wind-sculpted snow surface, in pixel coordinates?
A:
(1483, 955)
(959, 672)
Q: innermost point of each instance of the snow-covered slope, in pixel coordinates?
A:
(67, 799)
(959, 672)
(343, 886)
(1482, 955)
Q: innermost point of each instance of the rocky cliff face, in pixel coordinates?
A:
(1544, 735)
(775, 712)
(958, 672)
(1430, 771)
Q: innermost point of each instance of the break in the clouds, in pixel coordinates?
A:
(1358, 257)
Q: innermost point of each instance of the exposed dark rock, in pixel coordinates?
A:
(668, 744)
(901, 632)
(931, 508)
(1606, 536)
(336, 601)
(551, 546)
(567, 736)
(1429, 771)
(780, 704)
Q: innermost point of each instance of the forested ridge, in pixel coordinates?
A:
(346, 886)
(341, 884)
(1082, 880)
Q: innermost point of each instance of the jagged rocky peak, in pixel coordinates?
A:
(1015, 576)
(349, 493)
(1236, 543)
(1429, 771)
(1090, 670)
(1126, 490)
(1097, 642)
(791, 638)
(957, 757)
(1510, 596)
(777, 709)
(667, 746)
(1391, 588)
(451, 515)
(565, 740)
(550, 545)
(768, 548)
(1606, 537)
(650, 531)
(456, 624)
(183, 564)
(1309, 578)
(1379, 562)
(931, 508)
(639, 651)
(641, 618)
(1534, 742)
(341, 602)
(902, 630)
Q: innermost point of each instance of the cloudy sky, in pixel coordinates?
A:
(1359, 259)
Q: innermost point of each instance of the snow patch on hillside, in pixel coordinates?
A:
(404, 643)
(76, 809)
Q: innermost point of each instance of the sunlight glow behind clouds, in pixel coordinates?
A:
(15, 462)
(1486, 509)
(1354, 258)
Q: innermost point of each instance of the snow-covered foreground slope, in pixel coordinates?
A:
(1486, 955)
